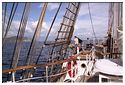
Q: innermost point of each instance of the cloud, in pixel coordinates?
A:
(30, 28)
(51, 6)
(95, 8)
(99, 13)
(40, 6)
(84, 28)
(54, 30)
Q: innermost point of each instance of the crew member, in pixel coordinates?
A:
(78, 43)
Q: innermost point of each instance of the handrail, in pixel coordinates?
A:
(53, 63)
(44, 65)
(63, 72)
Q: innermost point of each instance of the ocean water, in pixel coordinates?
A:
(7, 54)
(8, 49)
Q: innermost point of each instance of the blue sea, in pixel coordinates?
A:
(7, 54)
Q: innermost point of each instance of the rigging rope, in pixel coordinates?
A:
(60, 73)
(13, 10)
(20, 35)
(32, 50)
(49, 32)
(12, 13)
(70, 22)
(69, 15)
(36, 35)
(58, 34)
(111, 18)
(4, 20)
(92, 22)
(53, 22)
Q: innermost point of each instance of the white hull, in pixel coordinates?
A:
(100, 66)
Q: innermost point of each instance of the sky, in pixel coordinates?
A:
(83, 28)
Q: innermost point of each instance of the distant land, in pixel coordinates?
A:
(27, 39)
(13, 39)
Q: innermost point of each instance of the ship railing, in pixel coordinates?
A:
(75, 57)
(61, 73)
(13, 71)
(106, 54)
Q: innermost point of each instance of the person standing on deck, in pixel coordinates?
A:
(87, 44)
(109, 44)
(78, 43)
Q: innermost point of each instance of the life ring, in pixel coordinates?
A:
(72, 72)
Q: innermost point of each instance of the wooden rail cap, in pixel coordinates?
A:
(47, 64)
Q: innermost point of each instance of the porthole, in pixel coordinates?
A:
(83, 65)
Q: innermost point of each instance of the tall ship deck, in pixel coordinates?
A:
(59, 59)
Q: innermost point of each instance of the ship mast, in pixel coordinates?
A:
(115, 28)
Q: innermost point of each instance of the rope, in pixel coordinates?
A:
(13, 10)
(36, 35)
(52, 75)
(20, 35)
(49, 31)
(61, 27)
(120, 31)
(111, 18)
(91, 22)
(4, 20)
(46, 76)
